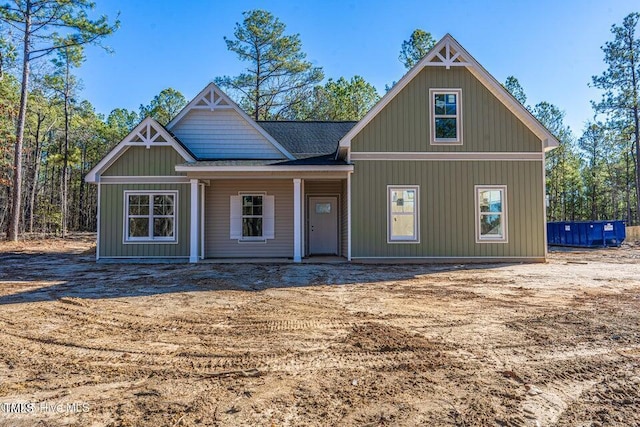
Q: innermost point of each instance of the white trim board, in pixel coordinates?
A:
(274, 168)
(143, 132)
(447, 156)
(460, 58)
(207, 96)
(247, 175)
(144, 180)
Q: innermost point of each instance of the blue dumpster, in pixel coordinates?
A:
(588, 234)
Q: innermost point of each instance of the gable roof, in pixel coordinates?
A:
(449, 53)
(308, 139)
(148, 133)
(212, 98)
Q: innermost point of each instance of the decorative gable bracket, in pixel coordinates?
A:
(211, 99)
(148, 135)
(449, 53)
(448, 56)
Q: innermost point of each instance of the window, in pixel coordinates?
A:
(150, 216)
(251, 216)
(446, 116)
(323, 208)
(491, 213)
(402, 214)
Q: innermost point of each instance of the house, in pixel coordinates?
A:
(448, 166)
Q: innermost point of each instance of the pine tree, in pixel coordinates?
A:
(279, 78)
(38, 23)
(621, 86)
(413, 50)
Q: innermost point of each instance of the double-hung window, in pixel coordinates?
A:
(403, 214)
(491, 213)
(150, 216)
(446, 116)
(252, 216)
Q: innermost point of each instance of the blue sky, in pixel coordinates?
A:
(552, 47)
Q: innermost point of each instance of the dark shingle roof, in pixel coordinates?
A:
(323, 160)
(307, 139)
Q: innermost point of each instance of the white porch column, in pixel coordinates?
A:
(202, 202)
(349, 216)
(297, 229)
(193, 240)
(303, 219)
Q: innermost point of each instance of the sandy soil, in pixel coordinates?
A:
(184, 345)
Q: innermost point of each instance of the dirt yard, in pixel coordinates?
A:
(183, 345)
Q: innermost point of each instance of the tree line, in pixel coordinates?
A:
(50, 137)
(595, 175)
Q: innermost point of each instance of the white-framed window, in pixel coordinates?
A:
(403, 208)
(446, 116)
(150, 216)
(252, 220)
(491, 213)
(252, 217)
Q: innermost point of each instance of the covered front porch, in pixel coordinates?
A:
(283, 215)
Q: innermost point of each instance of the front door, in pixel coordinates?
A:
(323, 225)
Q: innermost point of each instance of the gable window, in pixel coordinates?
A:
(446, 116)
(252, 217)
(402, 214)
(491, 213)
(150, 216)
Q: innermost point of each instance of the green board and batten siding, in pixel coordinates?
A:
(447, 208)
(112, 222)
(404, 125)
(447, 193)
(142, 161)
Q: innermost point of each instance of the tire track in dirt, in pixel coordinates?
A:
(395, 345)
(259, 326)
(83, 317)
(72, 345)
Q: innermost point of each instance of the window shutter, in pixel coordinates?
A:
(235, 217)
(269, 218)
